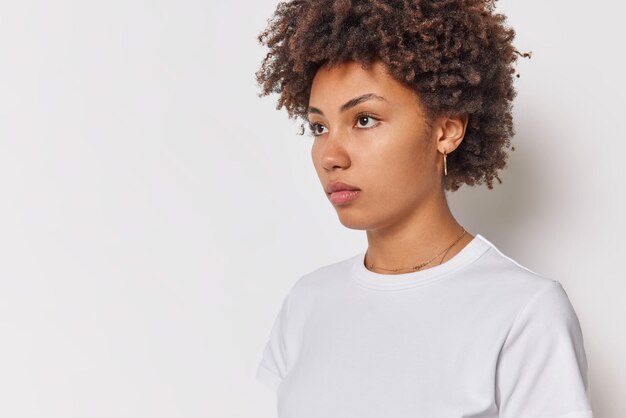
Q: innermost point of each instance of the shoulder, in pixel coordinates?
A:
(512, 283)
(327, 281)
(324, 277)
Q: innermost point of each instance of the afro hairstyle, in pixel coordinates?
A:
(457, 55)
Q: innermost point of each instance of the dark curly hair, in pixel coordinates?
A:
(457, 55)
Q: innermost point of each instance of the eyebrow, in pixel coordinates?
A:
(350, 103)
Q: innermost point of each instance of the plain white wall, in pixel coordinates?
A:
(155, 211)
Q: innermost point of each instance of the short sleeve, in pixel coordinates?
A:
(273, 364)
(542, 367)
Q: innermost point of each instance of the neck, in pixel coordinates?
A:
(415, 238)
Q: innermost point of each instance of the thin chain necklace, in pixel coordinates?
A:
(419, 266)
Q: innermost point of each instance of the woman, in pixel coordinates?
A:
(405, 100)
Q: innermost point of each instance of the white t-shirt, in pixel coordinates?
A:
(476, 336)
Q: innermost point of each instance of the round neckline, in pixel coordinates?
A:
(472, 250)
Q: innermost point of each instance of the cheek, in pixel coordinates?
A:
(399, 175)
(400, 160)
(400, 179)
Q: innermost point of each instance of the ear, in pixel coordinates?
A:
(451, 132)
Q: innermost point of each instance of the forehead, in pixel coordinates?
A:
(337, 84)
(350, 74)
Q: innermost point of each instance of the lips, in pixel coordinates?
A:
(337, 186)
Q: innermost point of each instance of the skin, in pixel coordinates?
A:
(394, 157)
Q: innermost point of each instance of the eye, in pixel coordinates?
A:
(313, 129)
(366, 117)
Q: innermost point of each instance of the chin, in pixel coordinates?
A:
(353, 220)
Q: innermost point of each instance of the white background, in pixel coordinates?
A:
(155, 211)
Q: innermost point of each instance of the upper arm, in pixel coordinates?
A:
(273, 365)
(542, 366)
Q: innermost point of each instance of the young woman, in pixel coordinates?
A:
(407, 99)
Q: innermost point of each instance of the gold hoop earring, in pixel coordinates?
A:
(445, 167)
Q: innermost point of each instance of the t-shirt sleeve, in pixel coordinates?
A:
(273, 365)
(542, 367)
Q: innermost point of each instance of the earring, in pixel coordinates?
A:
(445, 167)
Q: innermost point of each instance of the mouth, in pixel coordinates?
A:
(338, 186)
(341, 193)
(343, 196)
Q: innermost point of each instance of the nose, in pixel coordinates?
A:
(334, 154)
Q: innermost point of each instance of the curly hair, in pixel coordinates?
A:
(457, 55)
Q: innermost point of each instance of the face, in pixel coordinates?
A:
(379, 144)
